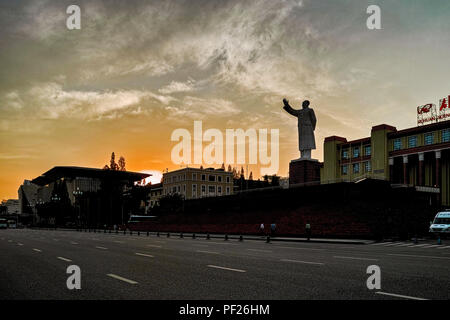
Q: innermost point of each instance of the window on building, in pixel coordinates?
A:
(184, 188)
(219, 178)
(412, 142)
(345, 169)
(203, 177)
(203, 190)
(174, 189)
(356, 168)
(446, 135)
(212, 178)
(368, 166)
(397, 144)
(429, 138)
(228, 190)
(219, 190)
(344, 153)
(367, 150)
(228, 179)
(212, 190)
(179, 189)
(194, 176)
(356, 152)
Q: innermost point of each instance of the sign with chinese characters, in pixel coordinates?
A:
(428, 113)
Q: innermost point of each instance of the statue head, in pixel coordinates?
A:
(305, 104)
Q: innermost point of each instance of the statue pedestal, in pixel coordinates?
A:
(304, 171)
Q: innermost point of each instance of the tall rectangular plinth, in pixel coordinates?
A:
(304, 171)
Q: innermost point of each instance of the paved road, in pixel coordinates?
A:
(33, 265)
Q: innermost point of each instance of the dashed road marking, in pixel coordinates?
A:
(19, 244)
(304, 262)
(102, 248)
(115, 276)
(144, 255)
(153, 246)
(64, 259)
(211, 252)
(399, 295)
(73, 242)
(300, 248)
(416, 256)
(355, 258)
(225, 268)
(259, 250)
(37, 250)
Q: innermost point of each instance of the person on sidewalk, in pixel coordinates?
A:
(308, 231)
(261, 229)
(272, 229)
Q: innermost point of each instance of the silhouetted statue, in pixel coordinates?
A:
(306, 126)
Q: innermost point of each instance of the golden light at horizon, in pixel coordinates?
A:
(130, 76)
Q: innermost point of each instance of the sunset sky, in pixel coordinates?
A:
(137, 70)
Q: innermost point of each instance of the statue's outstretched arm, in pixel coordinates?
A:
(289, 109)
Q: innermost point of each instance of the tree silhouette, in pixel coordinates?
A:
(122, 164)
(113, 165)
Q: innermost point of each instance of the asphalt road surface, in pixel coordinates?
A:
(33, 265)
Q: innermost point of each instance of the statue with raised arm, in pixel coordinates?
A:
(306, 126)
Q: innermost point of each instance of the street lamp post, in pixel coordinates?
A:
(78, 193)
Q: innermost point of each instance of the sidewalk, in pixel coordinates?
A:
(230, 237)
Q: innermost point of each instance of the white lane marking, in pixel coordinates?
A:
(203, 251)
(118, 241)
(103, 248)
(55, 239)
(19, 244)
(380, 243)
(394, 244)
(304, 262)
(64, 259)
(355, 258)
(224, 268)
(115, 276)
(405, 245)
(399, 296)
(200, 245)
(416, 256)
(72, 242)
(316, 249)
(231, 244)
(446, 247)
(144, 255)
(431, 246)
(417, 245)
(153, 246)
(95, 239)
(37, 250)
(10, 241)
(259, 250)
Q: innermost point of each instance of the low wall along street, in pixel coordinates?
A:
(369, 210)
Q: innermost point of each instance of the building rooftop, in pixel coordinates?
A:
(59, 172)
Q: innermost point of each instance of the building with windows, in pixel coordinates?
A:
(193, 183)
(418, 157)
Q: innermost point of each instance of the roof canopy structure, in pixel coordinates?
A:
(57, 173)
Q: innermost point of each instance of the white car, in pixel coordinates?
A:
(441, 223)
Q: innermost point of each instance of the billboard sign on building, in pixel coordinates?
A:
(428, 113)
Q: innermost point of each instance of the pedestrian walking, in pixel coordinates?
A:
(308, 231)
(273, 226)
(261, 229)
